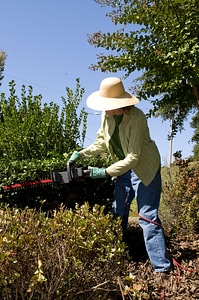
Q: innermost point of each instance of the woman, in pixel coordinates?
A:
(136, 164)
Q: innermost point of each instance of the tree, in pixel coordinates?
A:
(2, 64)
(160, 38)
(195, 138)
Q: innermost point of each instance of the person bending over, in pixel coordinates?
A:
(136, 166)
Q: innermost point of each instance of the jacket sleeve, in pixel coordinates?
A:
(122, 166)
(98, 147)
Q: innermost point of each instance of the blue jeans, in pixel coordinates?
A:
(127, 187)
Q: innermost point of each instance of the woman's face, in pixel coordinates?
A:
(114, 112)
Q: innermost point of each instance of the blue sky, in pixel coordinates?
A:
(47, 48)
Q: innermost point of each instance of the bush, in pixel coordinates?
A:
(30, 129)
(181, 196)
(37, 138)
(69, 256)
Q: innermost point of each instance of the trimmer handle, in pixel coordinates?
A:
(72, 173)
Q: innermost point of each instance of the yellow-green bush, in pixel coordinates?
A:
(62, 257)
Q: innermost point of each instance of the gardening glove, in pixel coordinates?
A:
(97, 172)
(74, 157)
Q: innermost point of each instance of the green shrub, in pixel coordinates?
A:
(66, 256)
(30, 129)
(36, 138)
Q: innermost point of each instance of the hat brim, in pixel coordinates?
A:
(97, 102)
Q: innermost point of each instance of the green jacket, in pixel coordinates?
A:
(141, 152)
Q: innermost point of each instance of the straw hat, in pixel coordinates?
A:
(111, 96)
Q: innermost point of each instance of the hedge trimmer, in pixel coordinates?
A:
(72, 173)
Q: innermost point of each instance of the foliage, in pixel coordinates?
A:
(67, 256)
(31, 131)
(79, 255)
(181, 196)
(33, 139)
(195, 138)
(71, 120)
(47, 197)
(161, 39)
(52, 196)
(133, 289)
(29, 169)
(2, 64)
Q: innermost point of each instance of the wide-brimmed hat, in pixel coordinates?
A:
(111, 95)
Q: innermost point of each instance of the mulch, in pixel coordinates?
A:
(182, 283)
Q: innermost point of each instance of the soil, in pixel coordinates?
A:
(181, 283)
